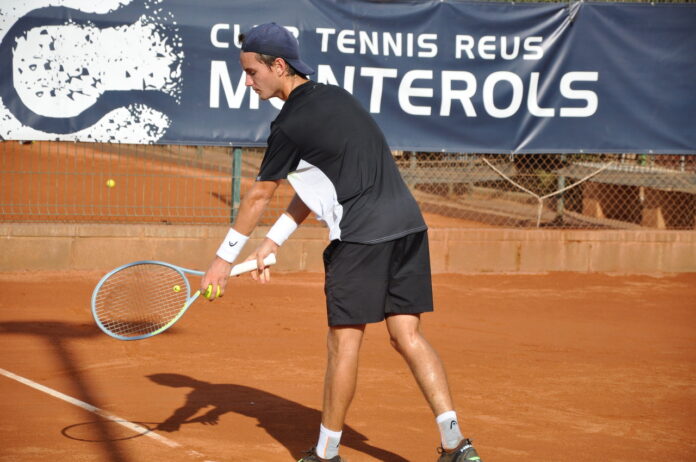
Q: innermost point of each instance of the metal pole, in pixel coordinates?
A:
(560, 184)
(560, 204)
(236, 182)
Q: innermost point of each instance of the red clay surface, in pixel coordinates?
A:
(560, 367)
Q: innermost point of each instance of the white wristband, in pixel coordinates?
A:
(282, 229)
(232, 245)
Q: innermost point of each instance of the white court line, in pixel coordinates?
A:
(100, 412)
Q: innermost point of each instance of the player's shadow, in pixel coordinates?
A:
(224, 198)
(58, 336)
(293, 425)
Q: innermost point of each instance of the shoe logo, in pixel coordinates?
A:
(453, 424)
(231, 244)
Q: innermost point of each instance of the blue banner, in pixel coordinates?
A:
(449, 76)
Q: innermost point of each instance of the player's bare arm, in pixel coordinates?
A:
(252, 206)
(297, 211)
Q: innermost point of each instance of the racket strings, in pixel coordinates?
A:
(141, 299)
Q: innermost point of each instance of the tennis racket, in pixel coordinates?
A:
(145, 298)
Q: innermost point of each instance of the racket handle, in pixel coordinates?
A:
(250, 265)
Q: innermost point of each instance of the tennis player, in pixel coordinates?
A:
(377, 264)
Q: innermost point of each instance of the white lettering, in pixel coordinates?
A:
(464, 96)
(294, 31)
(325, 33)
(533, 45)
(389, 42)
(407, 91)
(370, 42)
(346, 41)
(409, 45)
(376, 43)
(589, 96)
(464, 43)
(214, 35)
(378, 75)
(486, 47)
(488, 94)
(533, 98)
(502, 94)
(236, 30)
(491, 47)
(427, 49)
(504, 48)
(219, 75)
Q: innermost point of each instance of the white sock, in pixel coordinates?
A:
(327, 446)
(449, 429)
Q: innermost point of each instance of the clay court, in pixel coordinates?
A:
(551, 366)
(555, 367)
(562, 249)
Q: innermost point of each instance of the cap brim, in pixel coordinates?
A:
(300, 66)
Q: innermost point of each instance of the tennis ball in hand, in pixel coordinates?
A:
(209, 292)
(110, 183)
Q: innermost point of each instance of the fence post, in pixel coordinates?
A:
(560, 204)
(236, 182)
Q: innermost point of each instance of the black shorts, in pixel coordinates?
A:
(367, 282)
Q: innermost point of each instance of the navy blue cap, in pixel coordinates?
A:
(274, 40)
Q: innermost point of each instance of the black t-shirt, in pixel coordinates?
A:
(336, 158)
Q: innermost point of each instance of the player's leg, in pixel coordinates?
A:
(429, 372)
(425, 364)
(343, 351)
(410, 294)
(343, 346)
(356, 276)
(355, 293)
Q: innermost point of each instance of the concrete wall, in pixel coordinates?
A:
(38, 246)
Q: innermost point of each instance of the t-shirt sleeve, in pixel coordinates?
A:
(281, 158)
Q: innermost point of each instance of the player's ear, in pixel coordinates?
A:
(281, 67)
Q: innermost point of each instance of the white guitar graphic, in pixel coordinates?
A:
(89, 71)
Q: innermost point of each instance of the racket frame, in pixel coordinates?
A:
(240, 268)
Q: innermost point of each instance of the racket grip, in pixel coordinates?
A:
(250, 265)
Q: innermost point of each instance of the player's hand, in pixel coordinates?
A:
(210, 418)
(215, 279)
(168, 426)
(263, 272)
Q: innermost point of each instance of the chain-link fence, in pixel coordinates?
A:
(114, 183)
(556, 190)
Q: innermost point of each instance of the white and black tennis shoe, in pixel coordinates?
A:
(465, 452)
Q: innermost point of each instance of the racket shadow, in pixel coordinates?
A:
(292, 424)
(58, 337)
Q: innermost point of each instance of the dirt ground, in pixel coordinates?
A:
(557, 367)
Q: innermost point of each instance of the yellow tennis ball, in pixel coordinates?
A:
(110, 183)
(209, 292)
(177, 288)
